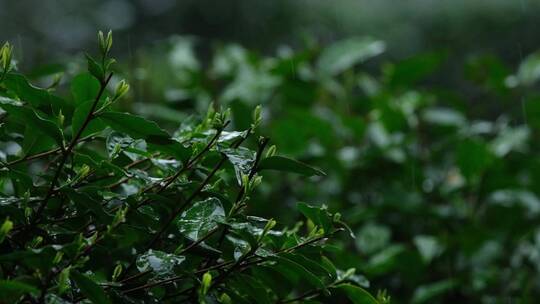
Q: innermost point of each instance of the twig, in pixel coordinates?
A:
(67, 151)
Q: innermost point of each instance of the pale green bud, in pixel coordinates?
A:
(61, 118)
(105, 44)
(245, 181)
(6, 53)
(63, 280)
(5, 229)
(269, 225)
(257, 117)
(121, 89)
(349, 273)
(36, 241)
(58, 257)
(117, 272)
(271, 151)
(225, 299)
(206, 282)
(255, 182)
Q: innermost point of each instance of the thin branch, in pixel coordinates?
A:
(188, 201)
(42, 154)
(70, 148)
(235, 208)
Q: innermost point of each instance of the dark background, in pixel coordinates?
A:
(45, 29)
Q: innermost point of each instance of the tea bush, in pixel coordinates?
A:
(431, 160)
(434, 166)
(103, 206)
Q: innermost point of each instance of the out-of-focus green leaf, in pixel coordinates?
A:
(281, 163)
(428, 247)
(12, 290)
(529, 69)
(345, 54)
(357, 295)
(427, 293)
(473, 157)
(414, 69)
(443, 117)
(384, 260)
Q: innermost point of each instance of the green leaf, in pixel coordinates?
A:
(136, 127)
(84, 87)
(273, 279)
(510, 139)
(79, 116)
(54, 299)
(11, 291)
(33, 95)
(529, 69)
(281, 163)
(94, 68)
(85, 203)
(161, 263)
(428, 247)
(34, 142)
(32, 119)
(414, 69)
(89, 288)
(35, 258)
(384, 260)
(357, 295)
(5, 229)
(427, 293)
(444, 117)
(251, 287)
(201, 218)
(20, 179)
(314, 266)
(343, 55)
(296, 272)
(241, 247)
(242, 159)
(473, 157)
(318, 215)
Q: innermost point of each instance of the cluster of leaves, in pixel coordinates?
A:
(438, 179)
(104, 206)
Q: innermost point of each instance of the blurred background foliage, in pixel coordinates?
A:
(425, 115)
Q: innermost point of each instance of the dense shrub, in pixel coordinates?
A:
(435, 167)
(104, 206)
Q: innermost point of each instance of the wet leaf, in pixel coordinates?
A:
(159, 262)
(201, 218)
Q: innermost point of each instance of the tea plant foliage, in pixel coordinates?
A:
(103, 206)
(432, 159)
